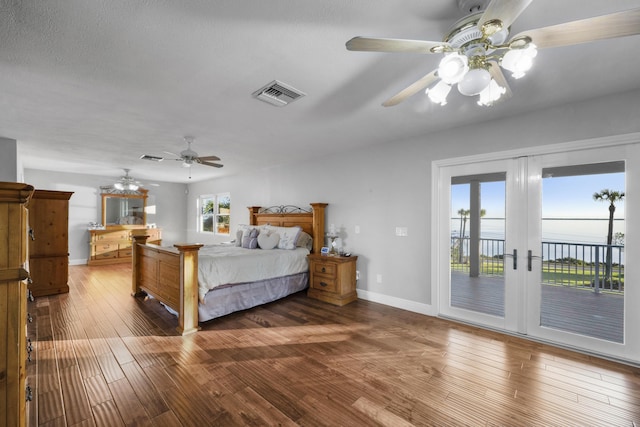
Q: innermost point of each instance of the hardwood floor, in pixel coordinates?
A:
(107, 359)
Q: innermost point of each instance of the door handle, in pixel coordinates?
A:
(515, 258)
(530, 257)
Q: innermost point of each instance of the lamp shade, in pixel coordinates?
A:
(438, 93)
(453, 67)
(474, 82)
(519, 61)
(491, 94)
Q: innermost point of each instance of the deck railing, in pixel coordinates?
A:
(582, 265)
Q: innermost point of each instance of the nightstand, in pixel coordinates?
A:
(333, 278)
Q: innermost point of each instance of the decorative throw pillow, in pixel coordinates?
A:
(288, 236)
(268, 240)
(250, 239)
(242, 228)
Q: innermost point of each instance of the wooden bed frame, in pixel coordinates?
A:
(170, 274)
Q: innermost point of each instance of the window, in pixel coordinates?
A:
(214, 213)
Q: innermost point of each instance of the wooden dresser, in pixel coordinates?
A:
(49, 242)
(113, 245)
(333, 278)
(14, 198)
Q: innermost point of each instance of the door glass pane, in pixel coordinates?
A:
(477, 243)
(582, 254)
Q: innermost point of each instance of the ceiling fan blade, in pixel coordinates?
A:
(215, 165)
(498, 76)
(178, 157)
(393, 45)
(412, 89)
(506, 11)
(619, 24)
(206, 158)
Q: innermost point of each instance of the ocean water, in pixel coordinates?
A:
(571, 233)
(571, 230)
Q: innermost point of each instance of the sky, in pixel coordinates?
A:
(562, 198)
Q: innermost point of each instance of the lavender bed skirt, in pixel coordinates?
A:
(228, 299)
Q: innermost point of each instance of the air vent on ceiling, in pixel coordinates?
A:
(152, 158)
(278, 94)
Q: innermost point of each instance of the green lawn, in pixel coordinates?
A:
(552, 273)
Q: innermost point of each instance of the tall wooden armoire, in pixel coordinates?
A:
(14, 198)
(49, 242)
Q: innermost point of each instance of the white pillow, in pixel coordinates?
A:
(305, 241)
(288, 235)
(268, 240)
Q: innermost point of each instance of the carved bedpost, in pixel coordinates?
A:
(253, 210)
(136, 268)
(318, 226)
(188, 313)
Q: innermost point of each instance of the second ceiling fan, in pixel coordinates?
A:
(479, 47)
(188, 157)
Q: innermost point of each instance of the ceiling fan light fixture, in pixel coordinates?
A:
(491, 93)
(438, 93)
(519, 61)
(125, 185)
(453, 67)
(474, 82)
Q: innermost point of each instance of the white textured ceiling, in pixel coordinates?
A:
(88, 86)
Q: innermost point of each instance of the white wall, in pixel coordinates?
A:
(85, 206)
(379, 188)
(9, 162)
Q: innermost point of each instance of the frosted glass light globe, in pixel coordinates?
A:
(474, 82)
(438, 93)
(452, 68)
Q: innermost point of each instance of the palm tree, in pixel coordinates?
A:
(612, 197)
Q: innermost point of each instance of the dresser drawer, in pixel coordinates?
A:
(324, 284)
(109, 235)
(106, 255)
(325, 269)
(125, 253)
(101, 248)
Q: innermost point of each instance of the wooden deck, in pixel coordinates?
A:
(598, 315)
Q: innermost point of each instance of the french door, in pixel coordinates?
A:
(528, 244)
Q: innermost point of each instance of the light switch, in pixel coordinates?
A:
(402, 231)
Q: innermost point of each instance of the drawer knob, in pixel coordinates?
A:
(324, 270)
(323, 284)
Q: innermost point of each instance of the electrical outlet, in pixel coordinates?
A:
(357, 274)
(357, 229)
(379, 278)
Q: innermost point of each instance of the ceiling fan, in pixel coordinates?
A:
(188, 157)
(125, 185)
(479, 46)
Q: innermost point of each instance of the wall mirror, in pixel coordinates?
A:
(124, 209)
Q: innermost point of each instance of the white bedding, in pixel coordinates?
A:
(225, 264)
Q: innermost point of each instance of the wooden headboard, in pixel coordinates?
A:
(311, 222)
